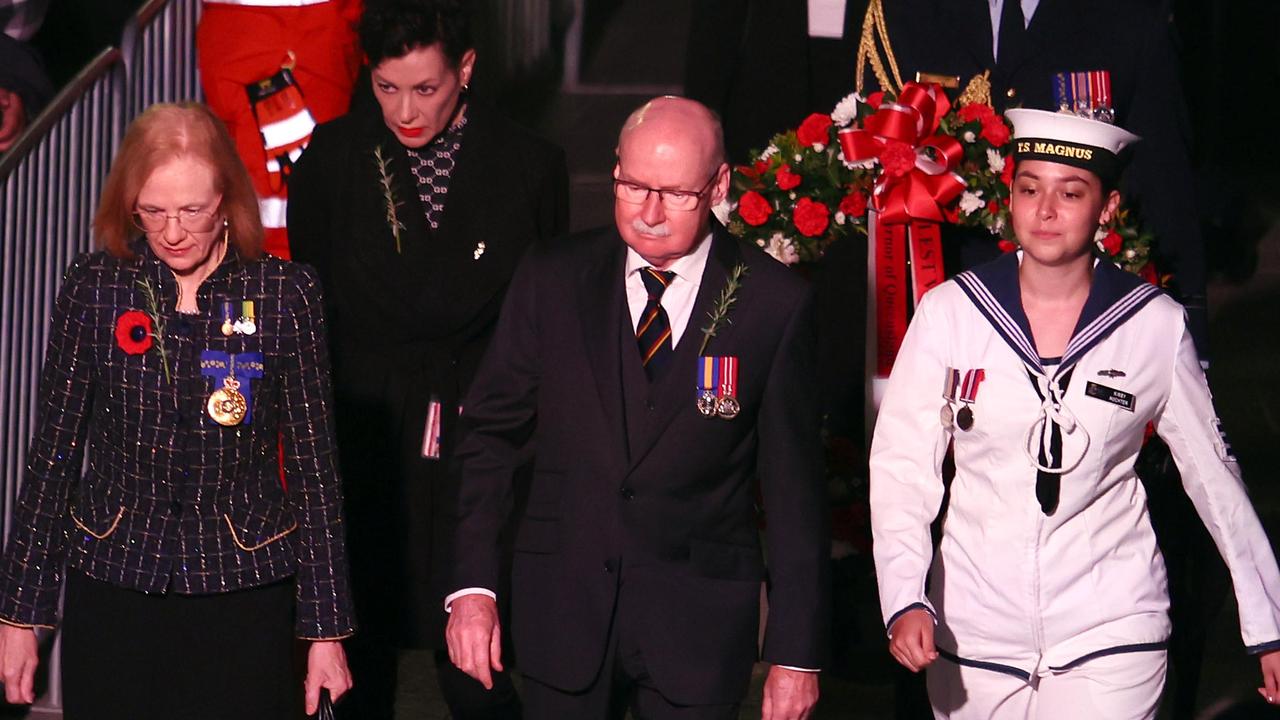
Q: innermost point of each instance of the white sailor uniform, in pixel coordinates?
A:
(1048, 566)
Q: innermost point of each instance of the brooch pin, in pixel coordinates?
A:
(480, 248)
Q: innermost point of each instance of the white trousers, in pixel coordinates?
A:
(1125, 686)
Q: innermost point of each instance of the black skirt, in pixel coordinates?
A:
(134, 656)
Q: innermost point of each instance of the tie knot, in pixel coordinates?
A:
(656, 281)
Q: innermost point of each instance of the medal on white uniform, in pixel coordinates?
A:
(968, 395)
(947, 414)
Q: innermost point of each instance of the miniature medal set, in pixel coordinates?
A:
(231, 404)
(718, 387)
(965, 392)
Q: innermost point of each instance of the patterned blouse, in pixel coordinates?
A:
(171, 500)
(432, 165)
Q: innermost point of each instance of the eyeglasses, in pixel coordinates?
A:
(193, 221)
(677, 200)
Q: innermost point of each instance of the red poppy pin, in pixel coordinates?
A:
(133, 332)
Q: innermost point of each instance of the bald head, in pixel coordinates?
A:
(676, 128)
(670, 173)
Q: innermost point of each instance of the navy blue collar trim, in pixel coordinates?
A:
(1114, 297)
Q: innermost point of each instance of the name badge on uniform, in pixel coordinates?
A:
(717, 394)
(1111, 395)
(231, 403)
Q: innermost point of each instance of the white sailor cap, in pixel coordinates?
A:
(1070, 140)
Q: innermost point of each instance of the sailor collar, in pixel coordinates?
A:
(1114, 297)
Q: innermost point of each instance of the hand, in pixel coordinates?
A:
(911, 640)
(474, 637)
(789, 694)
(18, 663)
(13, 118)
(1270, 676)
(326, 668)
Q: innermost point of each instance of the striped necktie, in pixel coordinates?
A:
(653, 334)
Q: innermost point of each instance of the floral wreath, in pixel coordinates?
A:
(804, 192)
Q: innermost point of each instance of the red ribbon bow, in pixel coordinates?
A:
(917, 177)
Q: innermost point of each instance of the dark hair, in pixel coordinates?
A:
(394, 28)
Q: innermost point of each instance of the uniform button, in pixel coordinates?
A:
(650, 405)
(1011, 92)
(627, 493)
(608, 567)
(175, 508)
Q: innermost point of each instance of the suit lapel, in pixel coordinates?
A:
(602, 300)
(675, 391)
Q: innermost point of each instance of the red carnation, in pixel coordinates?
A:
(854, 204)
(814, 130)
(786, 179)
(133, 332)
(753, 208)
(1148, 272)
(992, 207)
(761, 166)
(995, 131)
(810, 218)
(875, 99)
(897, 158)
(976, 111)
(1006, 175)
(1112, 243)
(1007, 246)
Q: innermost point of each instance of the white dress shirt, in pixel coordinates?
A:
(997, 7)
(826, 18)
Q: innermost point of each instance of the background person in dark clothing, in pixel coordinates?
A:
(414, 210)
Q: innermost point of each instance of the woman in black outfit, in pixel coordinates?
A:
(414, 211)
(194, 370)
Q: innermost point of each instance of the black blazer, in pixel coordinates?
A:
(633, 488)
(411, 325)
(172, 501)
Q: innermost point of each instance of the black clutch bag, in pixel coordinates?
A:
(324, 710)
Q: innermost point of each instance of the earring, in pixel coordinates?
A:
(226, 230)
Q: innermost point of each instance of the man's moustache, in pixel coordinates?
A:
(641, 226)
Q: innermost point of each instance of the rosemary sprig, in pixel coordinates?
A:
(720, 313)
(157, 322)
(388, 194)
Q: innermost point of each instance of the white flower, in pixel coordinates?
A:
(995, 160)
(799, 157)
(969, 136)
(864, 165)
(1101, 247)
(769, 152)
(782, 249)
(846, 110)
(998, 226)
(840, 218)
(819, 147)
(791, 195)
(971, 202)
(1130, 254)
(723, 209)
(1100, 233)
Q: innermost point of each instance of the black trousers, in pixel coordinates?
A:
(623, 684)
(134, 656)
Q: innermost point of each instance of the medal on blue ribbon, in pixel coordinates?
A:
(231, 404)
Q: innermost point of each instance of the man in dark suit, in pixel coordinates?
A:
(638, 564)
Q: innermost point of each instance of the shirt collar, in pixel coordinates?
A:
(688, 268)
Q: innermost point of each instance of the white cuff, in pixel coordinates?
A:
(809, 670)
(448, 601)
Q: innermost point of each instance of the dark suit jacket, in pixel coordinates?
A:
(411, 325)
(634, 491)
(172, 502)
